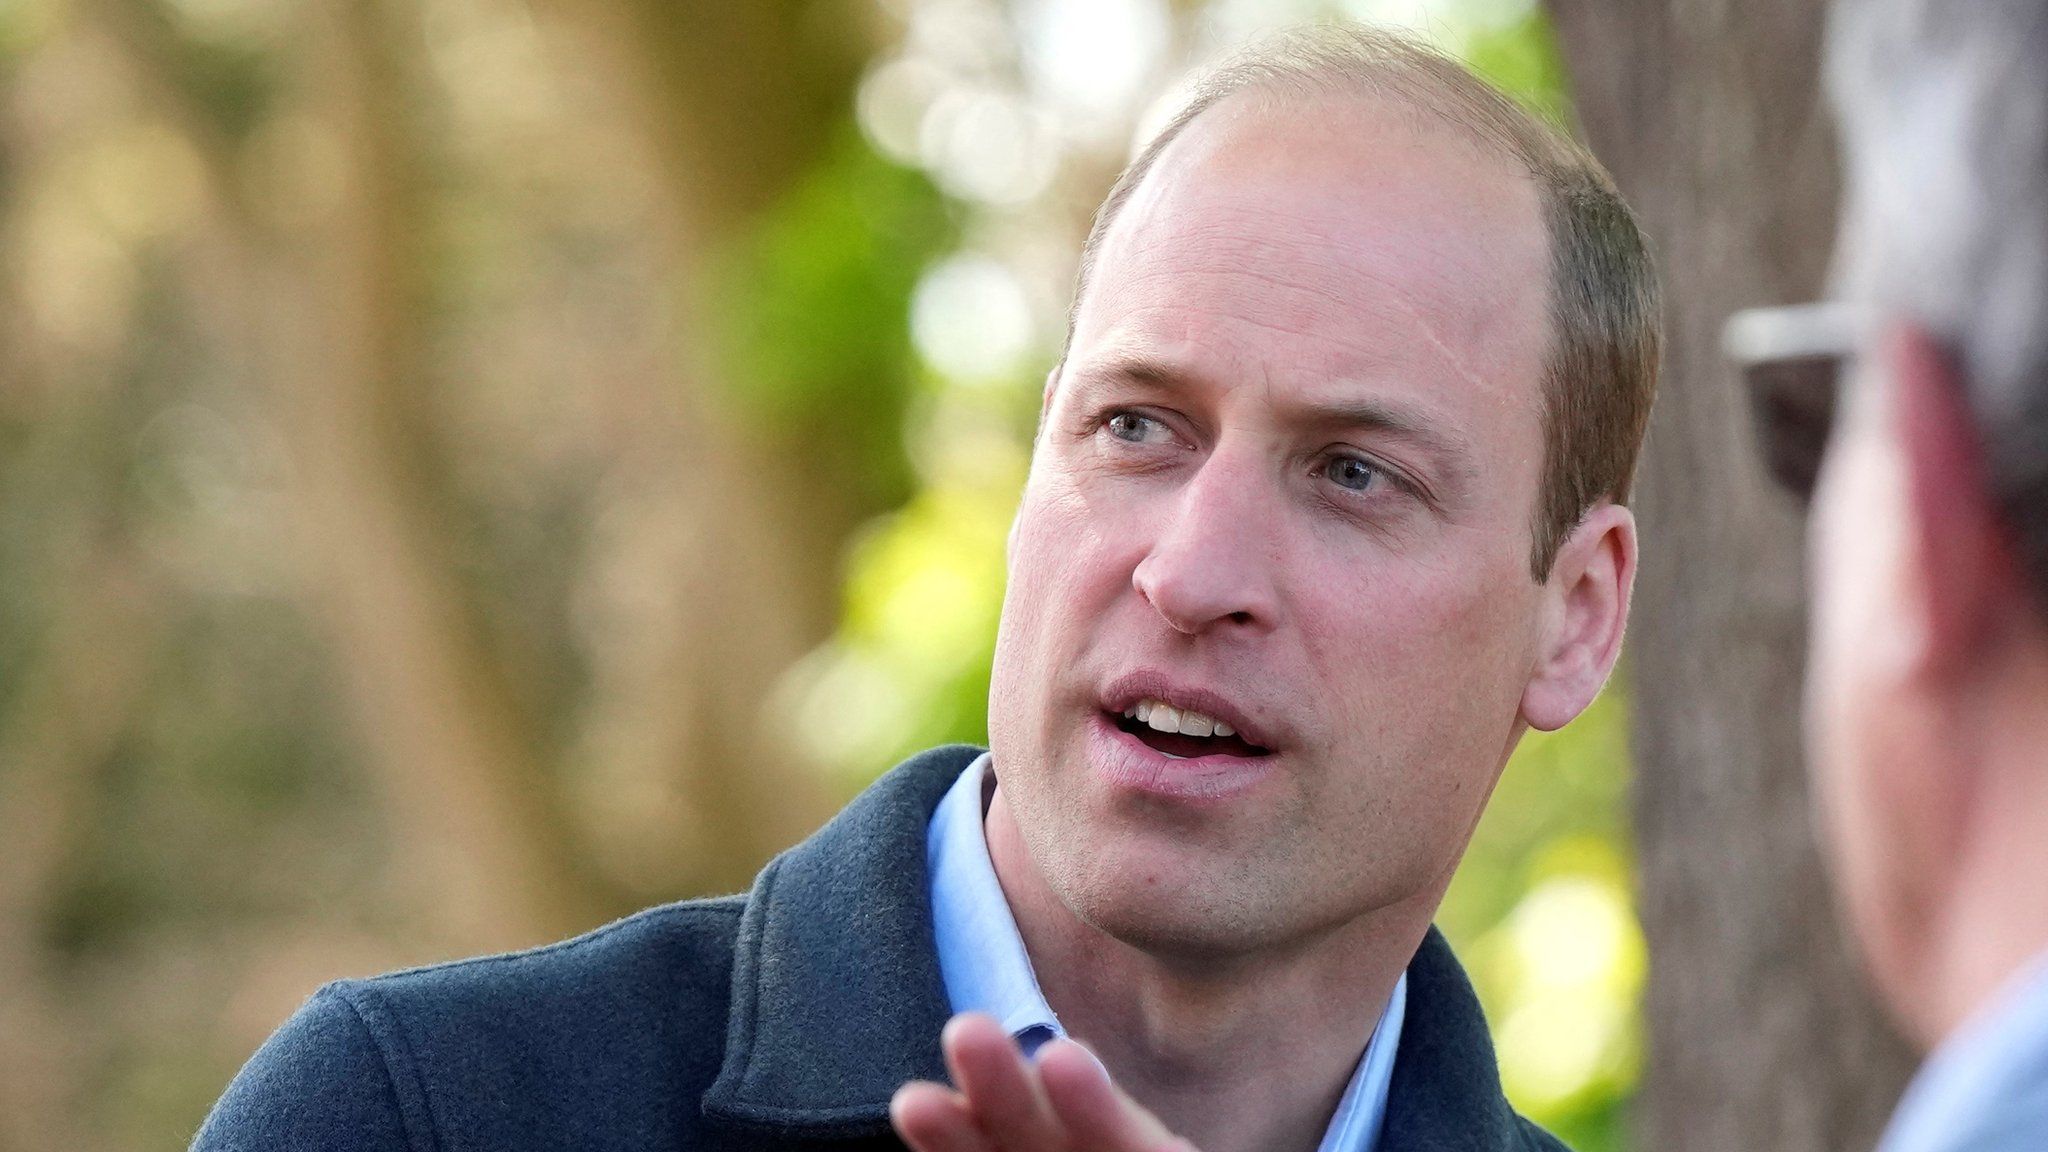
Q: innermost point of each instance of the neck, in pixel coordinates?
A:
(1994, 922)
(1243, 1052)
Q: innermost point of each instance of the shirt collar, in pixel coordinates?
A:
(1355, 1126)
(1988, 1082)
(985, 967)
(981, 953)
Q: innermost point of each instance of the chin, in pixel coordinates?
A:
(1168, 928)
(1167, 905)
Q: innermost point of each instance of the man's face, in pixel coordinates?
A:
(1286, 480)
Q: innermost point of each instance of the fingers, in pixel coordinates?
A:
(1094, 1112)
(1065, 1101)
(934, 1118)
(1002, 1092)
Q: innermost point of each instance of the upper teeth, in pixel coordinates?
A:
(1165, 717)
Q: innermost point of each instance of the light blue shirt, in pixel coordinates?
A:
(986, 969)
(1986, 1088)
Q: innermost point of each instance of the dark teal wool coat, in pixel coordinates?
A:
(781, 1019)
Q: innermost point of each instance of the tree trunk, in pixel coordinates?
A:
(738, 552)
(1761, 1031)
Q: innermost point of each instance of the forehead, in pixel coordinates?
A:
(1329, 238)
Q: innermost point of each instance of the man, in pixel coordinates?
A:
(1927, 707)
(1324, 513)
(1927, 704)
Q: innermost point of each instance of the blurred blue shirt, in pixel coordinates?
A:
(986, 969)
(1986, 1088)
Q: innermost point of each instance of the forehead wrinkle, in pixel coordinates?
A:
(1443, 349)
(1345, 335)
(1246, 238)
(1242, 245)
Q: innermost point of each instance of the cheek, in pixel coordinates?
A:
(1061, 557)
(1855, 645)
(1453, 632)
(1426, 667)
(1858, 553)
(1880, 868)
(1062, 567)
(1865, 737)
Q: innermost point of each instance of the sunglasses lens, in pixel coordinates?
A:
(1793, 404)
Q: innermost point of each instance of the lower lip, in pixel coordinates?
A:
(1136, 766)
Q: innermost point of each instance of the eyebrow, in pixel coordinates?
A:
(1389, 420)
(1133, 367)
(1450, 450)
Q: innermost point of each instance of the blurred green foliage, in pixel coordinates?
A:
(814, 304)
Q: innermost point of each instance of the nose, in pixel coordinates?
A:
(1213, 561)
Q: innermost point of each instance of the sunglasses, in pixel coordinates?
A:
(1792, 360)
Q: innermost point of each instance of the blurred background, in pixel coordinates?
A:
(473, 468)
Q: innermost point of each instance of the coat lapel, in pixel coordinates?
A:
(836, 993)
(1446, 1095)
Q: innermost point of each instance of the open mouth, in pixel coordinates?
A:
(1183, 734)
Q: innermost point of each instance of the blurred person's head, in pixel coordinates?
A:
(1330, 482)
(1928, 685)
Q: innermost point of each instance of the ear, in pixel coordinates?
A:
(1961, 575)
(1585, 612)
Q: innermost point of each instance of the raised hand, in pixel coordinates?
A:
(1064, 1101)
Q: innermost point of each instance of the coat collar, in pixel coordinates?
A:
(836, 994)
(837, 999)
(1446, 1095)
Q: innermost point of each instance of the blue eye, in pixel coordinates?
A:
(1352, 473)
(1133, 427)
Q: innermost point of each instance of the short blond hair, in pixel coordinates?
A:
(1601, 372)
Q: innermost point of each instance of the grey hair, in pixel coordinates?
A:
(1944, 111)
(1601, 371)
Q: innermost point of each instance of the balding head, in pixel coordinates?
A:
(1601, 368)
